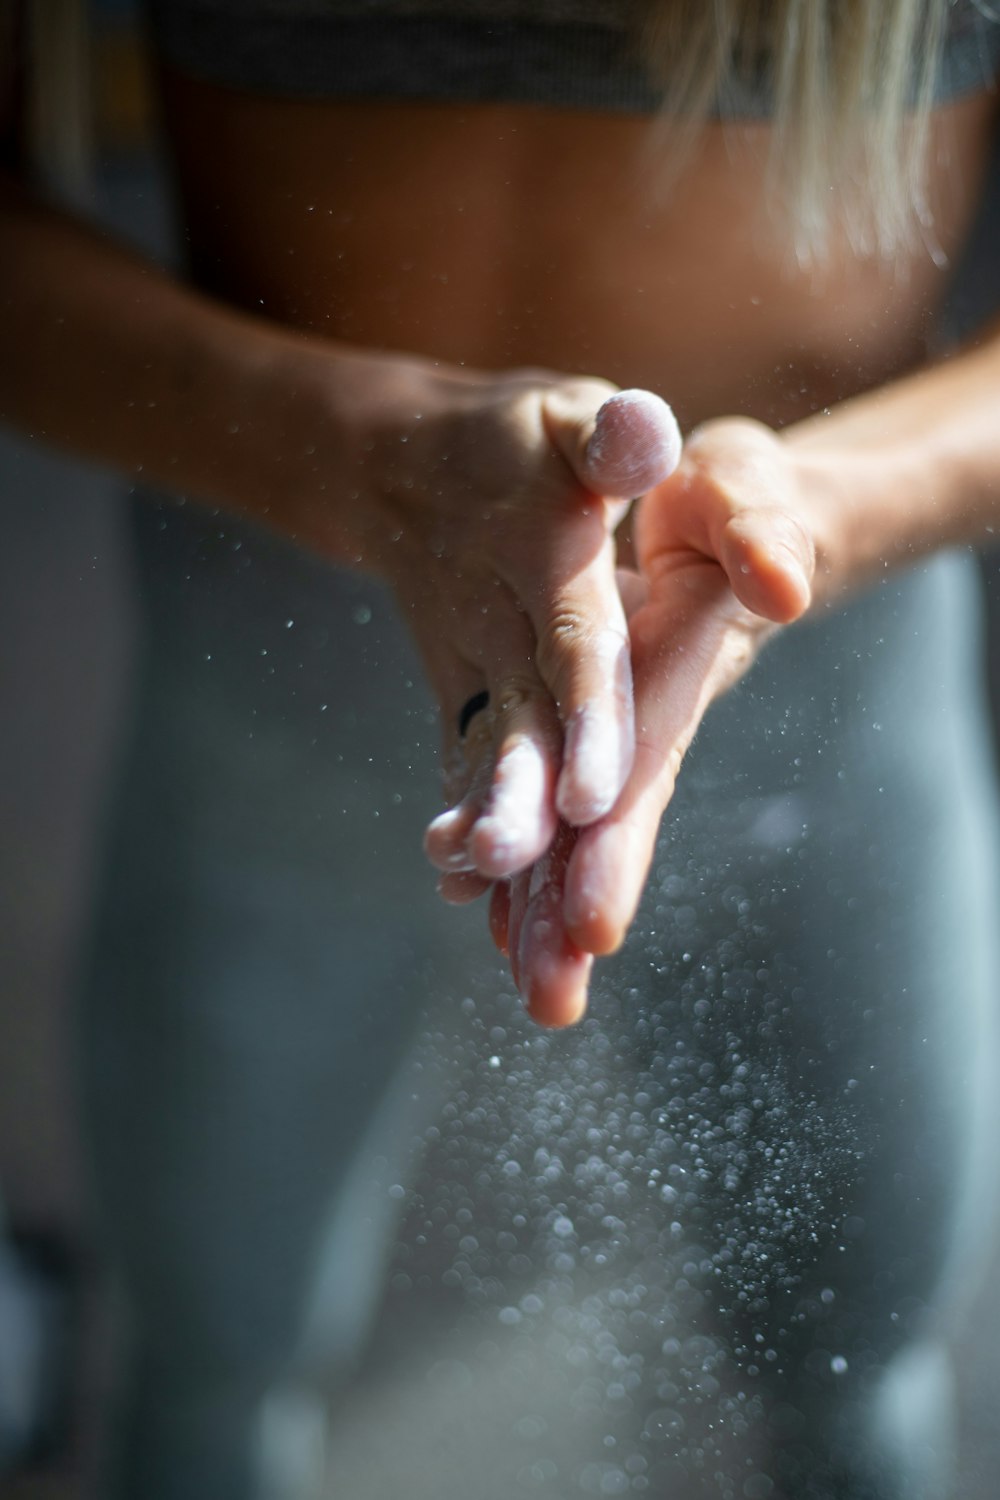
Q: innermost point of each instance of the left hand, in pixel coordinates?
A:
(726, 553)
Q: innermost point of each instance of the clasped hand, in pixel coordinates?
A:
(725, 553)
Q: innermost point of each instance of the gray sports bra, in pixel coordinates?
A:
(570, 53)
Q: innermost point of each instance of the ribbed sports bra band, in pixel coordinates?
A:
(579, 54)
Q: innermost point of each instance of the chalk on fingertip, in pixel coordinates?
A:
(636, 444)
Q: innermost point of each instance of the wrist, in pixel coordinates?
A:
(900, 471)
(323, 440)
(853, 500)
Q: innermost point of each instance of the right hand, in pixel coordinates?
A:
(500, 502)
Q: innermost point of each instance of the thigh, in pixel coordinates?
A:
(267, 945)
(685, 1247)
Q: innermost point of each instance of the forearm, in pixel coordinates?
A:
(900, 471)
(106, 355)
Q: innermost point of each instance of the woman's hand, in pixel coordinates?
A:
(489, 503)
(502, 500)
(726, 552)
(483, 499)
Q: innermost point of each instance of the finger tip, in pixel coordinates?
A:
(770, 564)
(600, 750)
(783, 593)
(598, 932)
(554, 974)
(798, 596)
(559, 1003)
(445, 843)
(558, 1019)
(498, 851)
(579, 804)
(636, 444)
(461, 888)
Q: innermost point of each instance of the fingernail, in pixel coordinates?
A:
(444, 821)
(555, 986)
(442, 830)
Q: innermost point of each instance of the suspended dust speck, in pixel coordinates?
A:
(289, 624)
(606, 1194)
(758, 1487)
(663, 1425)
(361, 614)
(838, 1364)
(397, 1191)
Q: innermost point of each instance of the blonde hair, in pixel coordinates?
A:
(850, 85)
(850, 82)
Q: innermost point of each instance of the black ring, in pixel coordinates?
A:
(473, 706)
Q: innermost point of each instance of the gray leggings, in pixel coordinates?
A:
(717, 1233)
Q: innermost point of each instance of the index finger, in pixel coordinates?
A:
(686, 648)
(631, 444)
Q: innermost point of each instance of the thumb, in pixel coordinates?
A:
(769, 559)
(629, 445)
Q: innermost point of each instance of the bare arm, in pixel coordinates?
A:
(103, 353)
(905, 469)
(381, 461)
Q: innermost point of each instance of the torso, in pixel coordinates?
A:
(506, 235)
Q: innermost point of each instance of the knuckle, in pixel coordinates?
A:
(566, 633)
(567, 626)
(517, 692)
(589, 651)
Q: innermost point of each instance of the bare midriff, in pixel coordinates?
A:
(503, 236)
